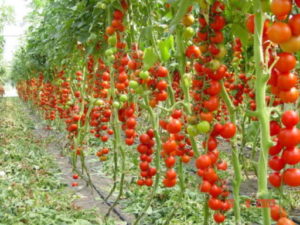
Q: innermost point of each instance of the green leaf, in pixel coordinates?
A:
(240, 32)
(165, 46)
(150, 57)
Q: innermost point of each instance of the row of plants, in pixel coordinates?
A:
(163, 85)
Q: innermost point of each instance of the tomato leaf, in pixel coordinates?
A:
(165, 46)
(150, 57)
(240, 32)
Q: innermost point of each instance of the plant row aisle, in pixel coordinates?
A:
(31, 189)
(183, 102)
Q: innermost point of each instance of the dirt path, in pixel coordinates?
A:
(89, 197)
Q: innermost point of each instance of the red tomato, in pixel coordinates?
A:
(214, 88)
(290, 96)
(284, 220)
(170, 161)
(286, 81)
(171, 174)
(279, 32)
(290, 118)
(275, 179)
(174, 126)
(203, 162)
(219, 217)
(228, 130)
(281, 8)
(276, 163)
(170, 146)
(214, 204)
(277, 212)
(274, 128)
(205, 186)
(291, 177)
(193, 52)
(286, 62)
(294, 23)
(291, 156)
(211, 104)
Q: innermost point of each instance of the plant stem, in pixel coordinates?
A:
(234, 157)
(262, 109)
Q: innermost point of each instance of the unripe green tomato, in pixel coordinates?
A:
(116, 104)
(192, 130)
(112, 40)
(144, 75)
(99, 102)
(111, 58)
(109, 52)
(100, 5)
(214, 64)
(123, 98)
(133, 84)
(188, 33)
(203, 127)
(222, 52)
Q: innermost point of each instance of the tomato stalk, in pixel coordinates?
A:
(155, 124)
(234, 157)
(117, 144)
(262, 112)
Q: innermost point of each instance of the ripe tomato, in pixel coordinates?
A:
(170, 146)
(274, 128)
(214, 88)
(144, 166)
(291, 156)
(149, 182)
(169, 183)
(193, 52)
(203, 162)
(228, 130)
(286, 81)
(281, 8)
(174, 126)
(250, 23)
(144, 139)
(290, 118)
(276, 163)
(277, 212)
(276, 149)
(162, 85)
(219, 217)
(211, 104)
(214, 204)
(218, 23)
(171, 174)
(292, 45)
(205, 186)
(215, 191)
(291, 177)
(279, 32)
(297, 2)
(162, 71)
(285, 221)
(286, 62)
(170, 161)
(294, 23)
(275, 179)
(131, 123)
(290, 96)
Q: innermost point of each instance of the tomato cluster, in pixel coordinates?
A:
(145, 148)
(285, 152)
